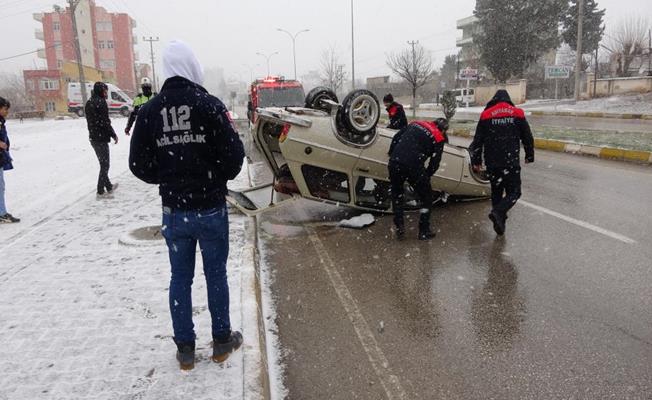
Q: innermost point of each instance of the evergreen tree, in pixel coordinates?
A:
(515, 33)
(593, 26)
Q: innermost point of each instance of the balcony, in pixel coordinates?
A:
(39, 34)
(41, 54)
(463, 42)
(38, 17)
(467, 22)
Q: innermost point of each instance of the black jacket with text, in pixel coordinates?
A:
(185, 142)
(499, 134)
(414, 144)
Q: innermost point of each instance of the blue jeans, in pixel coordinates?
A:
(3, 206)
(182, 230)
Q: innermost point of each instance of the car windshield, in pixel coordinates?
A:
(281, 97)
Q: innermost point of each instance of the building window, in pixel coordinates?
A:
(59, 64)
(56, 26)
(104, 26)
(49, 84)
(109, 44)
(50, 106)
(107, 64)
(101, 44)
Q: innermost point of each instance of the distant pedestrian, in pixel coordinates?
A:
(500, 132)
(140, 100)
(397, 117)
(100, 134)
(5, 162)
(185, 142)
(411, 147)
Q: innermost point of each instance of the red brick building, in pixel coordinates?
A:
(106, 40)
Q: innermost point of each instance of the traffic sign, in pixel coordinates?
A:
(558, 72)
(469, 74)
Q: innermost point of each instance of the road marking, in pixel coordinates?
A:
(377, 358)
(577, 222)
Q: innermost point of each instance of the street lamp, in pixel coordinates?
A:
(352, 50)
(268, 57)
(294, 46)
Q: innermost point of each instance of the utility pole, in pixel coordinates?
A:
(649, 54)
(294, 46)
(414, 76)
(352, 50)
(595, 75)
(151, 41)
(578, 61)
(72, 6)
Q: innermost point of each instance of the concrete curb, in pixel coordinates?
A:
(606, 153)
(589, 114)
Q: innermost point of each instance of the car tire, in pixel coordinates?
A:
(360, 112)
(316, 96)
(80, 112)
(124, 112)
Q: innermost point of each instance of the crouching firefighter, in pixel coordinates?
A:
(410, 148)
(140, 100)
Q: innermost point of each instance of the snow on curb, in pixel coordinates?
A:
(359, 222)
(606, 153)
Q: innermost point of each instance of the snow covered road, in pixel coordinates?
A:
(85, 317)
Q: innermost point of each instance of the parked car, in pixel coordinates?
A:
(118, 101)
(336, 153)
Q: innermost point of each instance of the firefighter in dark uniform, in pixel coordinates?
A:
(500, 132)
(140, 100)
(410, 148)
(397, 118)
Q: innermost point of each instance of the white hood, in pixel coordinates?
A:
(180, 60)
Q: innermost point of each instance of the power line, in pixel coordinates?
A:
(31, 52)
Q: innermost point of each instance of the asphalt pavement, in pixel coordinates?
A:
(557, 309)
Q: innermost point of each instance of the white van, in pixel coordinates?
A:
(464, 96)
(117, 100)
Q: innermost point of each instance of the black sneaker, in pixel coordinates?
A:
(114, 188)
(499, 223)
(222, 351)
(186, 355)
(8, 219)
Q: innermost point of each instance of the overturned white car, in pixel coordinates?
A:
(337, 153)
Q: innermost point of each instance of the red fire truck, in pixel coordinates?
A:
(274, 91)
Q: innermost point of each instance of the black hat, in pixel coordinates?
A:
(388, 98)
(442, 124)
(99, 88)
(4, 103)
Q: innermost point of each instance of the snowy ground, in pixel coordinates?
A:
(624, 104)
(85, 317)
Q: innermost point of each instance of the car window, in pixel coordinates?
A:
(372, 193)
(116, 97)
(281, 97)
(326, 184)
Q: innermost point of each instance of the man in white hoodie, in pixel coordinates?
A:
(185, 142)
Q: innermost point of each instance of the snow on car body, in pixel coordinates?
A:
(337, 154)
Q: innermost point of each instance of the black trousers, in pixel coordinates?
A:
(505, 188)
(420, 182)
(104, 158)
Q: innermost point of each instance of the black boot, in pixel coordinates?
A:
(223, 348)
(425, 233)
(499, 222)
(186, 355)
(399, 223)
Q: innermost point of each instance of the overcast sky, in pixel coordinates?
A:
(228, 34)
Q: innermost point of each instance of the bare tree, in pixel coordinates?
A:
(627, 42)
(12, 87)
(332, 73)
(414, 66)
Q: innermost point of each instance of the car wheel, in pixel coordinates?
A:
(124, 112)
(316, 96)
(80, 112)
(360, 112)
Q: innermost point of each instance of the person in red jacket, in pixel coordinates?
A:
(397, 118)
(500, 132)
